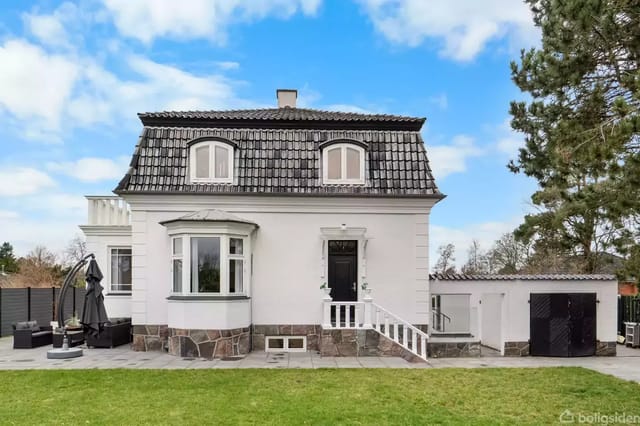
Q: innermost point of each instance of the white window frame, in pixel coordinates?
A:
(180, 257)
(212, 163)
(109, 255)
(343, 164)
(225, 256)
(285, 345)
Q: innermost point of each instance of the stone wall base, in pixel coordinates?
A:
(311, 331)
(361, 343)
(149, 337)
(209, 343)
(453, 349)
(516, 348)
(606, 348)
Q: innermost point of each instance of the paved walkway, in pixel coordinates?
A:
(626, 365)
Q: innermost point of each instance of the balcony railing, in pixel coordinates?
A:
(108, 211)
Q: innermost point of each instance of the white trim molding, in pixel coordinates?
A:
(344, 232)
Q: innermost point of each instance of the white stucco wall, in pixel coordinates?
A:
(287, 253)
(515, 311)
(99, 242)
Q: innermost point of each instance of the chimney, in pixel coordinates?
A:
(287, 98)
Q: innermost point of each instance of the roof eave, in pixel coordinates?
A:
(409, 125)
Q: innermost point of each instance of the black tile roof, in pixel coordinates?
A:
(282, 162)
(286, 117)
(522, 277)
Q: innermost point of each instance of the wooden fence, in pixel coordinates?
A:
(628, 311)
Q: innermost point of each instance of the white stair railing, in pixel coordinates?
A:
(368, 315)
(400, 331)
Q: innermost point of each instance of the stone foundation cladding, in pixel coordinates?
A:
(606, 348)
(209, 343)
(361, 343)
(149, 337)
(453, 349)
(312, 332)
(516, 348)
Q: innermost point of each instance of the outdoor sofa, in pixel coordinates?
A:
(115, 333)
(28, 334)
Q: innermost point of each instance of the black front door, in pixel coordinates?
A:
(343, 270)
(563, 324)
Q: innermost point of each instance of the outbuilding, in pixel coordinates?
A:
(518, 315)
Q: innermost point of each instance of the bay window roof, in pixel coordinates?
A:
(209, 215)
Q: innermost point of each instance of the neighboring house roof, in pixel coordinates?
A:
(278, 152)
(522, 277)
(287, 117)
(210, 215)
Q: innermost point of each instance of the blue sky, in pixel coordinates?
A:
(74, 74)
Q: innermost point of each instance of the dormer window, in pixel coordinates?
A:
(343, 163)
(211, 162)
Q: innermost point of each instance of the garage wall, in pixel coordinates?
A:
(515, 318)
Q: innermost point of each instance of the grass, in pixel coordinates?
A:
(363, 396)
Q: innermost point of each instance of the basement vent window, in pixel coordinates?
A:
(285, 344)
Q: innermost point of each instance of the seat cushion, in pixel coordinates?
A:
(41, 333)
(33, 325)
(23, 325)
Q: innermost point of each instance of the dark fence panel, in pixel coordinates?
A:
(23, 304)
(14, 308)
(628, 311)
(42, 305)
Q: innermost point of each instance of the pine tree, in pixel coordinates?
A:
(582, 128)
(8, 262)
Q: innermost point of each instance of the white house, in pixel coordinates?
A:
(228, 224)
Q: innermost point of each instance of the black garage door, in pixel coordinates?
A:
(563, 324)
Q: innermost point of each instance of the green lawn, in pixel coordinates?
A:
(381, 396)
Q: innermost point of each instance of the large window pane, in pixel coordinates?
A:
(202, 162)
(353, 164)
(222, 162)
(235, 276)
(120, 269)
(205, 265)
(177, 275)
(334, 162)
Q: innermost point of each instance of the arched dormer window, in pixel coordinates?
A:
(343, 163)
(211, 161)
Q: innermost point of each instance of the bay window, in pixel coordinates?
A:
(217, 264)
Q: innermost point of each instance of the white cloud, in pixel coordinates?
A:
(46, 94)
(26, 233)
(227, 65)
(146, 20)
(509, 141)
(35, 84)
(449, 159)
(51, 29)
(92, 169)
(8, 214)
(486, 233)
(23, 181)
(463, 27)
